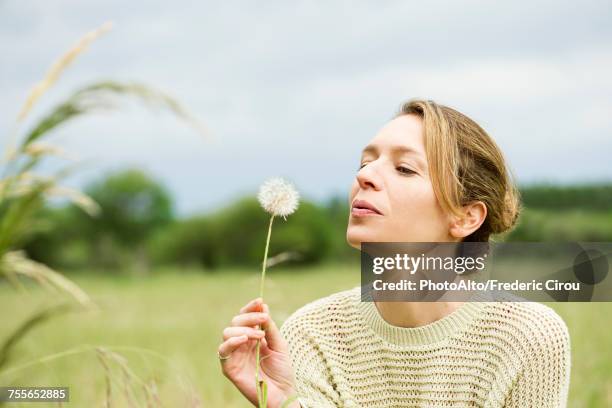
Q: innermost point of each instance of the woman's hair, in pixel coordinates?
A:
(466, 165)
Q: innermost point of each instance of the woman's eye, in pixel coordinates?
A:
(361, 166)
(405, 170)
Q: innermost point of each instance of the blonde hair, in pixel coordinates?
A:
(466, 165)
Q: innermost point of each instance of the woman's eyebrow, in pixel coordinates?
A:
(405, 149)
(395, 149)
(399, 150)
(369, 149)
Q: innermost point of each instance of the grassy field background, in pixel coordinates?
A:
(168, 327)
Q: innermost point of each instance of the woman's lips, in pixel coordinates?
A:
(362, 212)
(362, 208)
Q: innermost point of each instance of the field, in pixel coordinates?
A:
(169, 325)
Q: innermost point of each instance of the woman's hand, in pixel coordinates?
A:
(240, 343)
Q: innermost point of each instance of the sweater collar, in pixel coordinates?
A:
(430, 333)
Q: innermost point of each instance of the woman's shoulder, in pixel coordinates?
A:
(529, 328)
(530, 316)
(323, 310)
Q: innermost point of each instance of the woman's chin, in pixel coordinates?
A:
(355, 236)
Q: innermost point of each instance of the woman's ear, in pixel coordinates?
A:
(473, 216)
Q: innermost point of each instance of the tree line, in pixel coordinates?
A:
(137, 227)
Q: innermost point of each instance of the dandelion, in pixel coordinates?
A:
(279, 198)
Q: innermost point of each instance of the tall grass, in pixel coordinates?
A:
(24, 189)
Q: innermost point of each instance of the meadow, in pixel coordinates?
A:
(153, 338)
(168, 326)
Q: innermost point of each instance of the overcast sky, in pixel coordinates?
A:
(297, 88)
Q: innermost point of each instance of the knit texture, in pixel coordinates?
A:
(483, 354)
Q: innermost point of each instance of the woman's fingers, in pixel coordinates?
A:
(249, 319)
(228, 346)
(253, 306)
(253, 316)
(273, 336)
(239, 331)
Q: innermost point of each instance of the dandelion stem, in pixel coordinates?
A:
(265, 259)
(261, 293)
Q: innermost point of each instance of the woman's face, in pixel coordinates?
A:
(393, 179)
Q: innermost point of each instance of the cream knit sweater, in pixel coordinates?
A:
(484, 354)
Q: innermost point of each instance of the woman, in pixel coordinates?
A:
(430, 175)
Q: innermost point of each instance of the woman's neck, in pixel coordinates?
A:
(415, 314)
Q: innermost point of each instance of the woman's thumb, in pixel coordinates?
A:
(273, 336)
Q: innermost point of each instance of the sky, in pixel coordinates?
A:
(297, 89)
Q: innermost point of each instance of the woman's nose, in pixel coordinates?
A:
(368, 177)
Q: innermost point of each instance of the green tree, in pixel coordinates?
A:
(236, 235)
(132, 207)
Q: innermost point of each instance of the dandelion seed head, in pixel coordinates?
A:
(278, 197)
